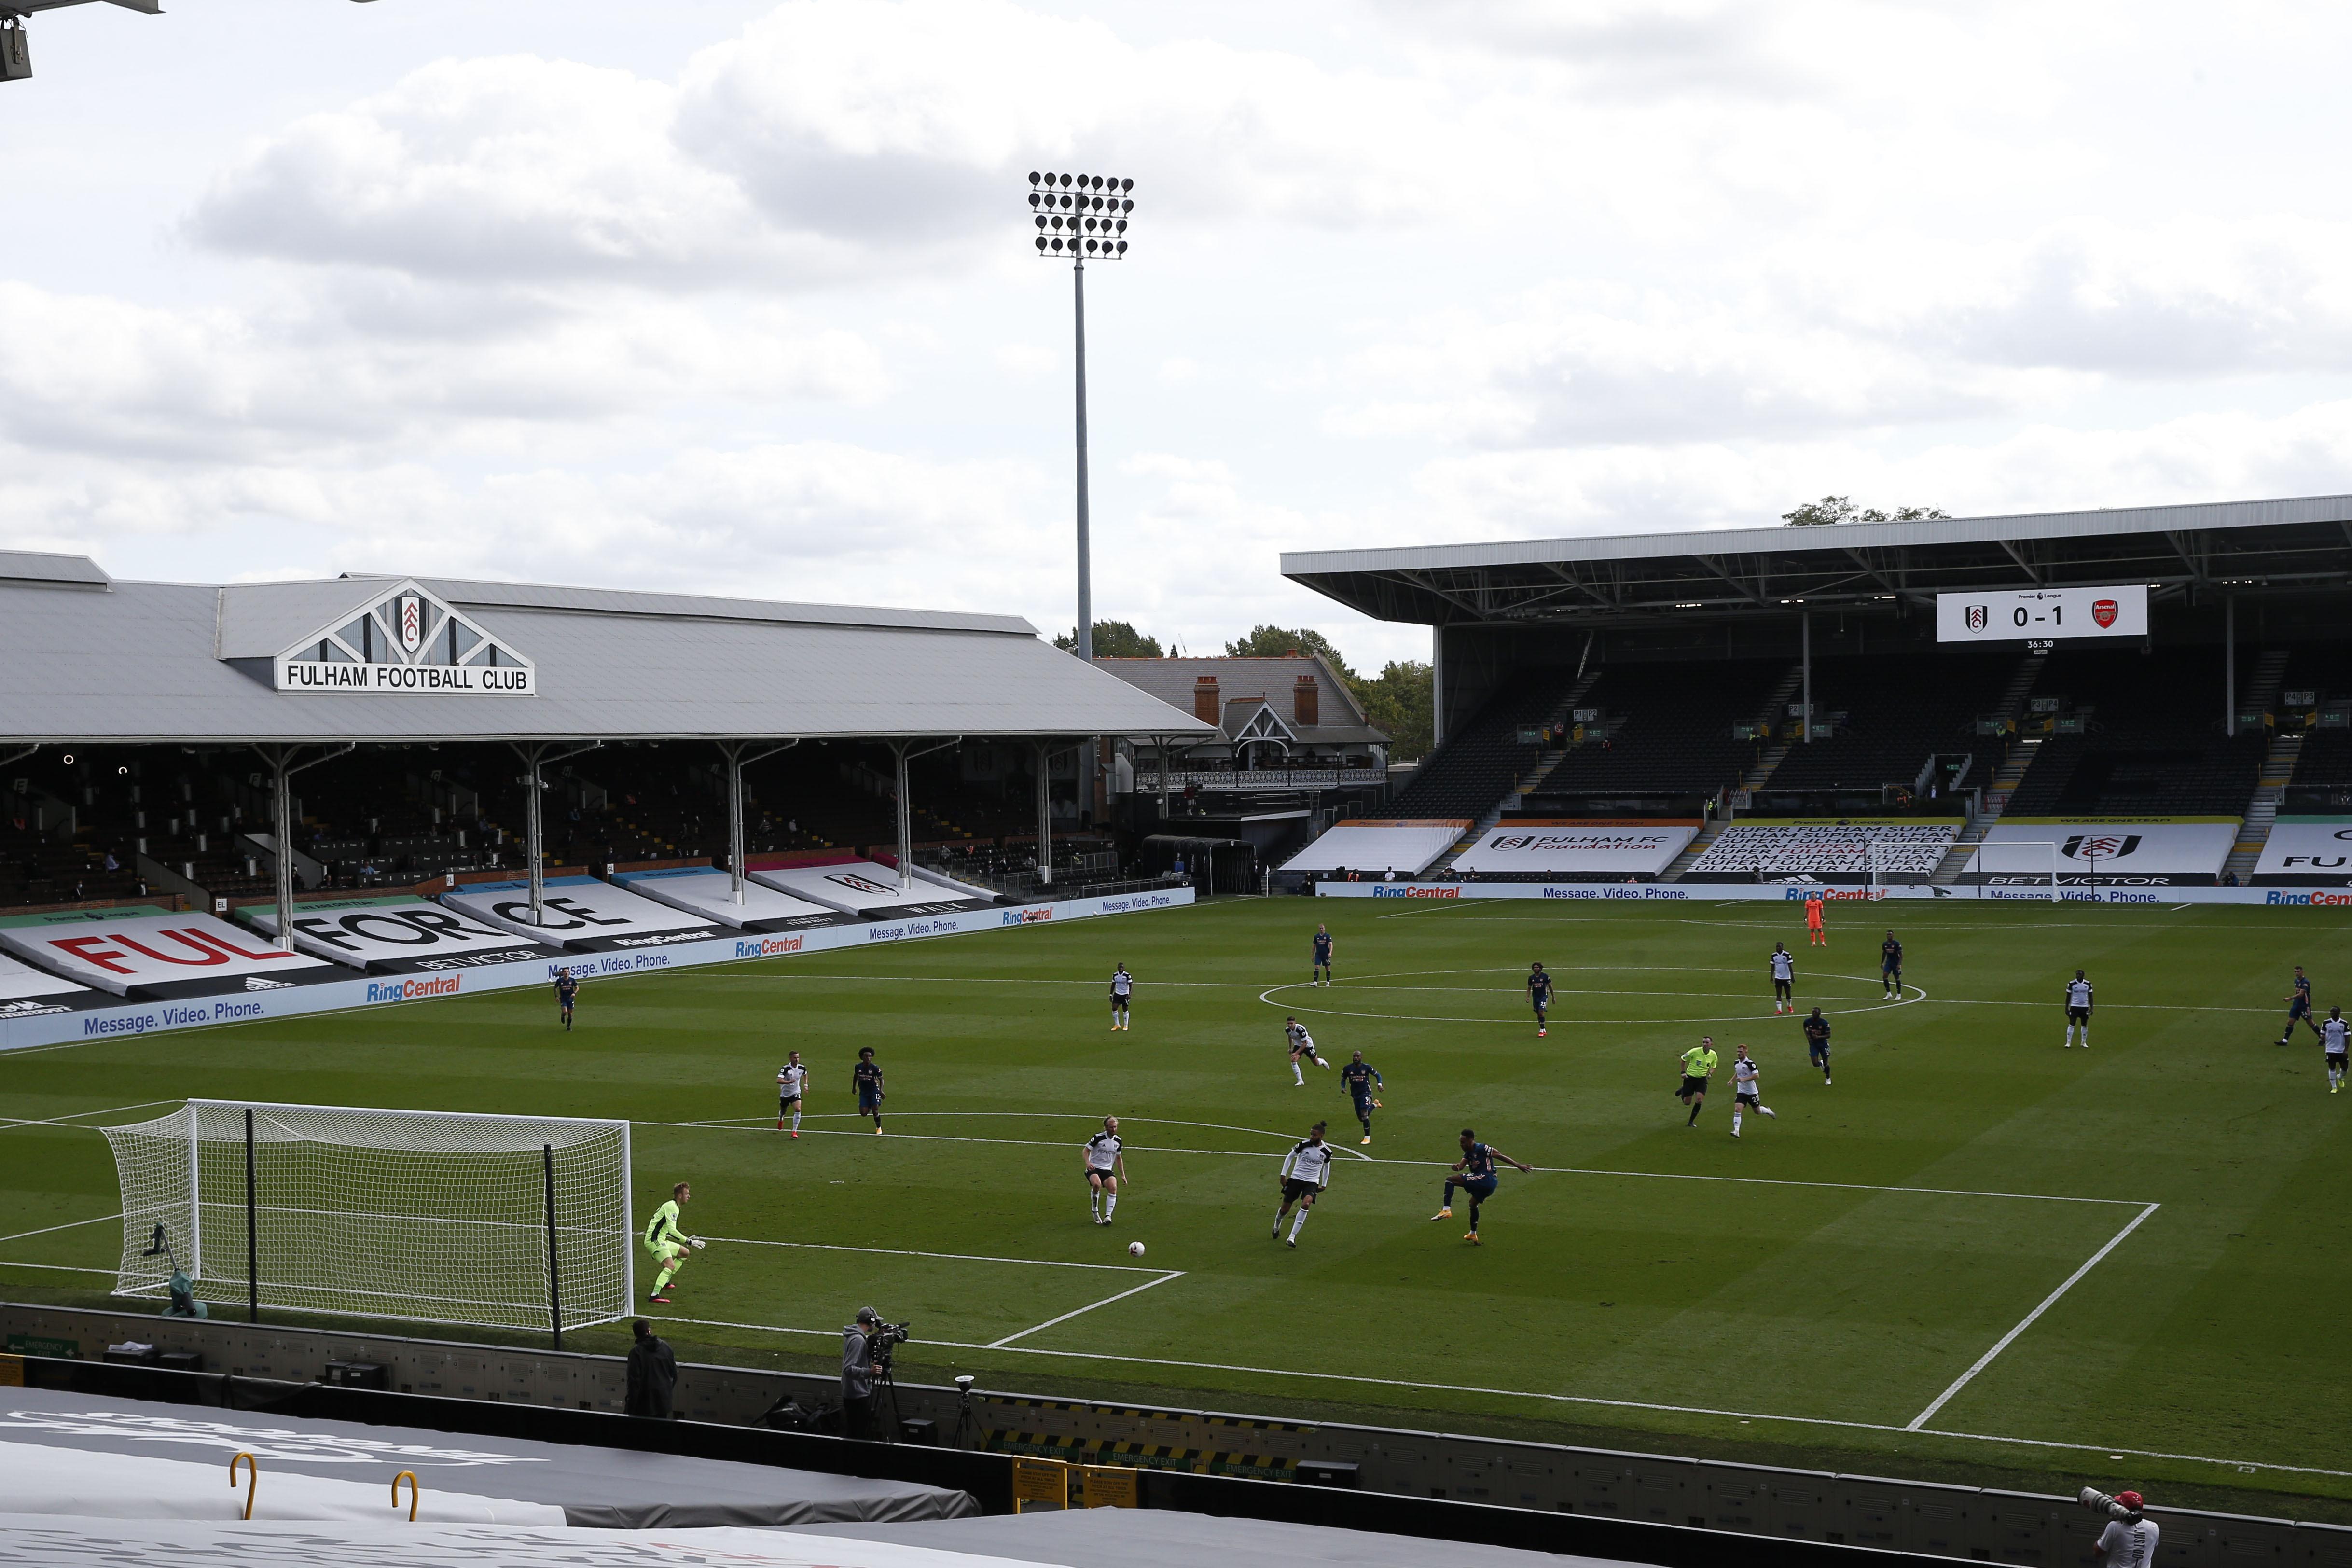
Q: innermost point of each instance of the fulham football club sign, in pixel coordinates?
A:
(404, 642)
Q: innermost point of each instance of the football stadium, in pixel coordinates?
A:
(1920, 907)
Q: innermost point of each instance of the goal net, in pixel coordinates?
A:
(2028, 864)
(431, 1215)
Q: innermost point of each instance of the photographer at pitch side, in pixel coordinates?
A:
(857, 1371)
(2130, 1539)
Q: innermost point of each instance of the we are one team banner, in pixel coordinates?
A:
(53, 1024)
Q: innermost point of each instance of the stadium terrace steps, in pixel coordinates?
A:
(2005, 777)
(1775, 705)
(1522, 788)
(2262, 812)
(1996, 801)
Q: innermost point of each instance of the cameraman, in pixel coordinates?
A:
(857, 1370)
(2130, 1539)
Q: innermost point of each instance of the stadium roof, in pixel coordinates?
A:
(393, 660)
(2302, 544)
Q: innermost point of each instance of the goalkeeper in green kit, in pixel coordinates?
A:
(667, 1242)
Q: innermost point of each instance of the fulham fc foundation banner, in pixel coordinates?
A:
(1579, 849)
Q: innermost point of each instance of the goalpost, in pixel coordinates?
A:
(517, 1222)
(2032, 855)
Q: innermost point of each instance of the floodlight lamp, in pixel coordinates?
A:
(1122, 226)
(1126, 206)
(1035, 200)
(1041, 220)
(1041, 243)
(1090, 247)
(1126, 185)
(1122, 248)
(1032, 177)
(1065, 182)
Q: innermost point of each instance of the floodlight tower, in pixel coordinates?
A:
(1083, 218)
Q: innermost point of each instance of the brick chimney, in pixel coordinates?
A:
(1306, 702)
(1206, 705)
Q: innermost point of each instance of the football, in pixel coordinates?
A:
(1135, 1248)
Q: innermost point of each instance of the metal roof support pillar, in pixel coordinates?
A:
(1805, 633)
(907, 807)
(1045, 814)
(281, 827)
(737, 851)
(1161, 741)
(535, 757)
(1437, 686)
(532, 835)
(282, 768)
(2229, 665)
(905, 822)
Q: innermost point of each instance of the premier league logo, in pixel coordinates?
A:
(412, 622)
(1978, 615)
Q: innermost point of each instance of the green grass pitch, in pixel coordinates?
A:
(1819, 1290)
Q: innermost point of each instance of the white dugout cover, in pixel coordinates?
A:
(1374, 848)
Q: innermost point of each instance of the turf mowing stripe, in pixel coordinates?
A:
(1416, 1164)
(1082, 1311)
(1553, 1398)
(958, 1256)
(1985, 1360)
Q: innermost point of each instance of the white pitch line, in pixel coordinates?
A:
(1985, 1360)
(1440, 1164)
(952, 1138)
(10, 1123)
(908, 1252)
(69, 1224)
(1082, 1311)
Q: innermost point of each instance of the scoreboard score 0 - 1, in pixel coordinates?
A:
(2042, 614)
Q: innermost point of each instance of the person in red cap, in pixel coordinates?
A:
(2130, 1538)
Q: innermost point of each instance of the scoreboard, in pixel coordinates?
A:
(2042, 614)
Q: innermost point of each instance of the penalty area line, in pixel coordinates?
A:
(951, 1257)
(1082, 1311)
(1985, 1360)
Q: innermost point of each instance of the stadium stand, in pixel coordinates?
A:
(1884, 718)
(1671, 728)
(2136, 733)
(1479, 762)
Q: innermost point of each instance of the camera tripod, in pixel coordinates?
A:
(969, 1433)
(886, 1402)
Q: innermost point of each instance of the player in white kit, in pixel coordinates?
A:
(1306, 1172)
(2335, 1037)
(792, 1083)
(1784, 980)
(1106, 1167)
(2078, 1010)
(1122, 991)
(1747, 1087)
(1302, 1045)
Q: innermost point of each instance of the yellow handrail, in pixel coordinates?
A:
(410, 1476)
(252, 1475)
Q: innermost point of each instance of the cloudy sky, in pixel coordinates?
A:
(736, 296)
